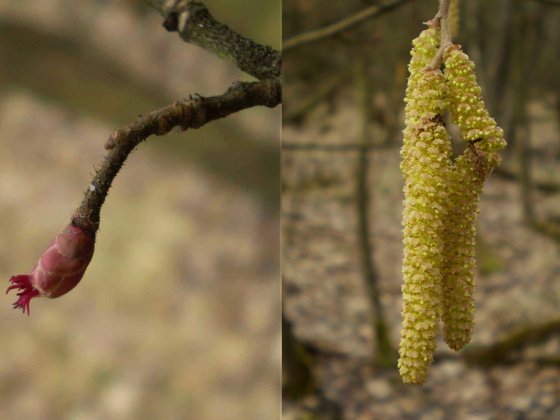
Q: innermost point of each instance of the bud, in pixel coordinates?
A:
(59, 270)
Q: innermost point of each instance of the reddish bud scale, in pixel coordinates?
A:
(59, 270)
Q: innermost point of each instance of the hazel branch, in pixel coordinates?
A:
(61, 267)
(442, 16)
(195, 25)
(193, 113)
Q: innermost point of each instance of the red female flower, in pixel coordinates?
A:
(59, 270)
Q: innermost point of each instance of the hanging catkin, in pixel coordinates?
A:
(426, 152)
(441, 198)
(466, 180)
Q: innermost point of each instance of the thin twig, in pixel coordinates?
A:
(340, 26)
(445, 38)
(193, 113)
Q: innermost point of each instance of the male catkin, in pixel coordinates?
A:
(441, 201)
(465, 182)
(426, 155)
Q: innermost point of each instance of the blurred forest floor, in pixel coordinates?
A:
(326, 301)
(178, 313)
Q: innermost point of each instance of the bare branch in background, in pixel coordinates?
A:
(521, 129)
(502, 350)
(385, 354)
(340, 26)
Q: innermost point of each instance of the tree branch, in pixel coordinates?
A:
(384, 355)
(500, 351)
(193, 113)
(340, 26)
(196, 25)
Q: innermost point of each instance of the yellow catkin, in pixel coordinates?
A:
(426, 154)
(465, 183)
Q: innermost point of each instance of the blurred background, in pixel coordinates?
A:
(342, 205)
(177, 316)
